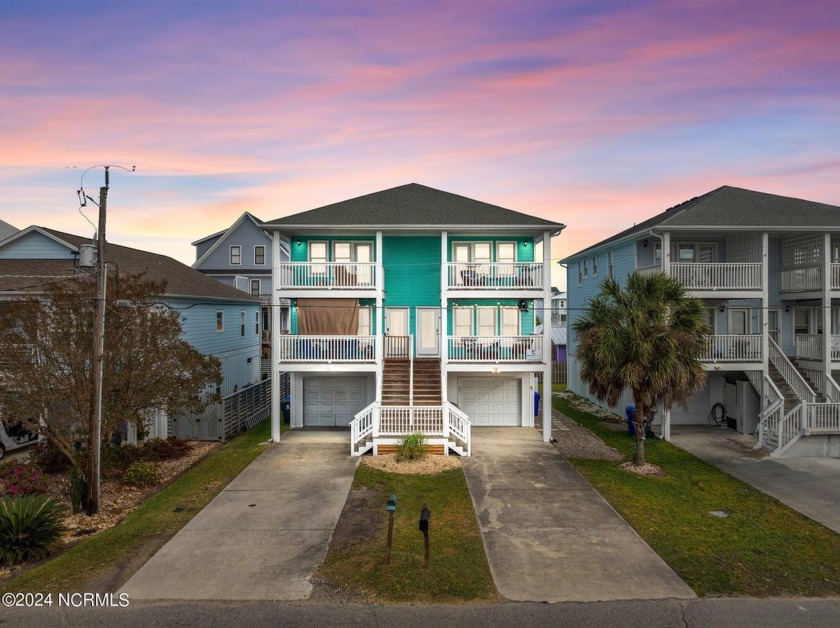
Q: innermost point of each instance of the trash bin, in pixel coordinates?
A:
(630, 411)
(536, 403)
(286, 408)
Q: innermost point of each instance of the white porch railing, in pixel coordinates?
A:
(494, 276)
(709, 276)
(823, 418)
(835, 276)
(326, 348)
(732, 348)
(390, 422)
(327, 275)
(810, 346)
(495, 348)
(802, 279)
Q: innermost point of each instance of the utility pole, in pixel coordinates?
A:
(95, 431)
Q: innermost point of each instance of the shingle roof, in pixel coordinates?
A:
(731, 208)
(411, 205)
(6, 230)
(181, 280)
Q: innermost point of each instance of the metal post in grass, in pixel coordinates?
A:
(392, 506)
(425, 519)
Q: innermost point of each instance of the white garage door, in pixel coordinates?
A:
(332, 401)
(490, 400)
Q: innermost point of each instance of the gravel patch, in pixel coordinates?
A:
(575, 441)
(427, 465)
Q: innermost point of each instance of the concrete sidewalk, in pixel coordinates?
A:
(808, 485)
(548, 534)
(265, 534)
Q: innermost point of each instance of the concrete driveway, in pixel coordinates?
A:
(549, 536)
(265, 534)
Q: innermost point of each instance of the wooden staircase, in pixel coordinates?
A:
(396, 382)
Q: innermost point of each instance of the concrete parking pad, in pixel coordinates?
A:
(265, 534)
(548, 534)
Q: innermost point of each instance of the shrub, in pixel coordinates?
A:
(120, 455)
(20, 478)
(165, 449)
(141, 474)
(29, 527)
(49, 457)
(78, 491)
(412, 447)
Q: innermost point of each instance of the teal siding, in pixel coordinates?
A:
(524, 246)
(299, 253)
(412, 273)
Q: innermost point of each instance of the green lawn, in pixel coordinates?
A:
(458, 567)
(763, 548)
(145, 530)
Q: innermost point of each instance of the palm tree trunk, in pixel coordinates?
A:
(639, 425)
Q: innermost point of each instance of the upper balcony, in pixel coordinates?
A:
(482, 277)
(732, 348)
(320, 278)
(718, 277)
(809, 279)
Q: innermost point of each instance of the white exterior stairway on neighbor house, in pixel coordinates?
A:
(410, 403)
(792, 407)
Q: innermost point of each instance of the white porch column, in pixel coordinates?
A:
(547, 354)
(765, 303)
(275, 336)
(826, 311)
(379, 349)
(666, 253)
(443, 324)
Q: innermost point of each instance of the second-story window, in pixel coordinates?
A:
(610, 264)
(259, 255)
(242, 324)
(594, 265)
(220, 321)
(255, 287)
(580, 273)
(257, 323)
(318, 253)
(235, 255)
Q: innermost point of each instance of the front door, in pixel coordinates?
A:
(396, 332)
(428, 343)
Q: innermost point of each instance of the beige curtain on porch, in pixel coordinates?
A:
(328, 317)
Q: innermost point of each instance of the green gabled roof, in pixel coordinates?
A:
(411, 205)
(730, 208)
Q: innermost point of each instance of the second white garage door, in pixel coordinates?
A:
(332, 401)
(490, 400)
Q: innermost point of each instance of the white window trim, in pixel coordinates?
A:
(463, 308)
(251, 287)
(263, 247)
(220, 321)
(242, 324)
(239, 254)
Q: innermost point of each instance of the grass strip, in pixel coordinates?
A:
(458, 569)
(762, 548)
(146, 528)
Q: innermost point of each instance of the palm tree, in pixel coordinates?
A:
(646, 337)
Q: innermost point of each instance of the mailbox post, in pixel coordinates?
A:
(391, 507)
(425, 519)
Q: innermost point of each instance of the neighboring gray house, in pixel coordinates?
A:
(6, 230)
(768, 269)
(240, 256)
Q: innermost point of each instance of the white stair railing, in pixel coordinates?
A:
(793, 377)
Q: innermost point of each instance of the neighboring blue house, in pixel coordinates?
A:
(218, 320)
(412, 309)
(240, 256)
(767, 268)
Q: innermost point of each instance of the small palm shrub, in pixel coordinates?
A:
(141, 474)
(30, 526)
(412, 447)
(19, 478)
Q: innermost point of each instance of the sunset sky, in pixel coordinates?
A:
(593, 114)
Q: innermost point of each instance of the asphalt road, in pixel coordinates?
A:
(698, 613)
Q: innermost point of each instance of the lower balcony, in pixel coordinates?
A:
(349, 349)
(494, 348)
(810, 347)
(732, 348)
